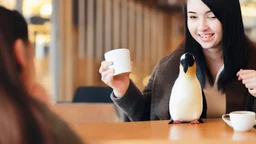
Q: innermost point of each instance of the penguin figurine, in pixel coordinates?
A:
(186, 101)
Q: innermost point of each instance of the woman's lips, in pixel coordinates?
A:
(206, 37)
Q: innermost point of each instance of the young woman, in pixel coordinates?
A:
(24, 119)
(214, 33)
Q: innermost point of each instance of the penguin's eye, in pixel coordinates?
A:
(182, 62)
(191, 63)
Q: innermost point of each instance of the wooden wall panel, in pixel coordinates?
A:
(99, 49)
(109, 24)
(124, 24)
(116, 23)
(146, 42)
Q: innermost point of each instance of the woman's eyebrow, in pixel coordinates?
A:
(192, 12)
(208, 12)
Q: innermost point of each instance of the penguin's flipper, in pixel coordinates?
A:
(201, 121)
(204, 112)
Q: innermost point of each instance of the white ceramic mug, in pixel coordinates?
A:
(240, 120)
(121, 60)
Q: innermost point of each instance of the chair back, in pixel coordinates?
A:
(93, 94)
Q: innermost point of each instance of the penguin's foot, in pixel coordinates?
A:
(174, 122)
(197, 121)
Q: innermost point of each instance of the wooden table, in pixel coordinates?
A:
(213, 131)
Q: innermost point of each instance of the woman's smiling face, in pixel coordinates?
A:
(203, 26)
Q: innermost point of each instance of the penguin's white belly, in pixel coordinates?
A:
(186, 102)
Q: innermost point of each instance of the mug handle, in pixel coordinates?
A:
(225, 120)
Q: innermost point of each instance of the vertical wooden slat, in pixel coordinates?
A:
(131, 28)
(153, 38)
(108, 23)
(160, 37)
(175, 33)
(139, 44)
(131, 38)
(69, 52)
(62, 36)
(139, 30)
(146, 40)
(81, 27)
(166, 34)
(90, 41)
(90, 28)
(124, 20)
(55, 52)
(172, 31)
(116, 24)
(99, 30)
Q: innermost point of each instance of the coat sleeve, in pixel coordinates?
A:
(134, 105)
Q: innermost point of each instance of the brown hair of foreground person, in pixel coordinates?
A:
(24, 120)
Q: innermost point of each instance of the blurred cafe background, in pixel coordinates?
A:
(70, 37)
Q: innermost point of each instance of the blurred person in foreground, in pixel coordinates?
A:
(24, 118)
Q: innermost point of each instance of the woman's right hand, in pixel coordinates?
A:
(119, 83)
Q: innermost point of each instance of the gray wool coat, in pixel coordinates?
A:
(153, 102)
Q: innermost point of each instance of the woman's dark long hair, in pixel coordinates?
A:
(235, 43)
(21, 121)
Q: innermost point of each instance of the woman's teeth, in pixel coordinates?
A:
(206, 37)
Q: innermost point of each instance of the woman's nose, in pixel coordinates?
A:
(203, 26)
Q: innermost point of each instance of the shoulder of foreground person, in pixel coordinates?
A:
(60, 131)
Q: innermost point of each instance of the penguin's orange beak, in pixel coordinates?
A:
(192, 69)
(188, 68)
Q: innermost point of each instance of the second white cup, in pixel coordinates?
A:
(121, 60)
(240, 120)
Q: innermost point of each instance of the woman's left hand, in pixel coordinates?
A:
(248, 77)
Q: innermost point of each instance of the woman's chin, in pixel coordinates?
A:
(208, 46)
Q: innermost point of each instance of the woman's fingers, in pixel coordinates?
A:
(106, 75)
(249, 75)
(242, 72)
(248, 78)
(251, 85)
(104, 66)
(252, 92)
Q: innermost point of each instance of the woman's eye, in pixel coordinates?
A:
(211, 17)
(192, 17)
